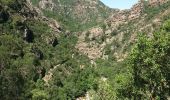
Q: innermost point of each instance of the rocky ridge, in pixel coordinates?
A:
(117, 23)
(93, 41)
(75, 15)
(89, 61)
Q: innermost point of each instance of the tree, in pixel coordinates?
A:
(150, 65)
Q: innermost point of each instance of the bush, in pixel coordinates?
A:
(149, 63)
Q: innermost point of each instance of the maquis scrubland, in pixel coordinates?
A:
(84, 50)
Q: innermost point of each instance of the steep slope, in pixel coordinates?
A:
(31, 46)
(75, 15)
(119, 32)
(68, 49)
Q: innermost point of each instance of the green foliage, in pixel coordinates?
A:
(23, 64)
(40, 93)
(13, 4)
(7, 2)
(152, 11)
(35, 2)
(166, 26)
(123, 85)
(149, 63)
(19, 66)
(11, 79)
(70, 17)
(38, 27)
(105, 91)
(70, 81)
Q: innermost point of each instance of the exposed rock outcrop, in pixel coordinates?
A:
(49, 75)
(118, 18)
(136, 11)
(46, 4)
(95, 32)
(54, 25)
(156, 2)
(81, 10)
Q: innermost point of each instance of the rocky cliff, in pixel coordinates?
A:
(156, 2)
(101, 26)
(79, 14)
(120, 30)
(76, 49)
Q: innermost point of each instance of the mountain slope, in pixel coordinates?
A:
(119, 32)
(80, 49)
(75, 14)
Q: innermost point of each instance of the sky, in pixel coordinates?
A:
(120, 4)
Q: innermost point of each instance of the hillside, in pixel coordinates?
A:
(118, 32)
(74, 15)
(83, 50)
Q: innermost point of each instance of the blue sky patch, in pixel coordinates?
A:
(120, 4)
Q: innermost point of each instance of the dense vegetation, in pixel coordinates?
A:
(26, 57)
(153, 11)
(29, 49)
(73, 16)
(149, 64)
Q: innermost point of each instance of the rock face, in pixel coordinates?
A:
(136, 11)
(157, 2)
(75, 14)
(46, 4)
(95, 32)
(54, 25)
(117, 18)
(122, 16)
(90, 48)
(92, 52)
(87, 12)
(119, 23)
